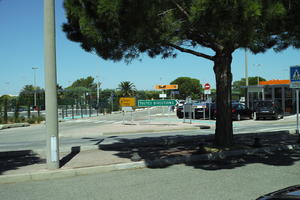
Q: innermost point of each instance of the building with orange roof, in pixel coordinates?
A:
(275, 90)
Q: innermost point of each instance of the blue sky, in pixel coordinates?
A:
(21, 48)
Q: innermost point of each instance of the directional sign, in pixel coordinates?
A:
(127, 101)
(206, 86)
(166, 87)
(150, 103)
(295, 77)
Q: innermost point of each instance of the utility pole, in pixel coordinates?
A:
(98, 92)
(246, 77)
(52, 151)
(34, 84)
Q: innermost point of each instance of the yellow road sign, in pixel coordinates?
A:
(127, 101)
(166, 87)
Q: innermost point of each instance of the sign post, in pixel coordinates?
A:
(207, 91)
(295, 83)
(127, 103)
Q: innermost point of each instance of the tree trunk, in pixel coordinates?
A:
(222, 69)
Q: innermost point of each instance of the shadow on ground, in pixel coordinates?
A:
(162, 152)
(70, 156)
(15, 159)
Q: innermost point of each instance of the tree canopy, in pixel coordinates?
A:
(87, 82)
(127, 89)
(236, 86)
(125, 29)
(188, 87)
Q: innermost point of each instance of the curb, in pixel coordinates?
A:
(65, 173)
(5, 126)
(150, 131)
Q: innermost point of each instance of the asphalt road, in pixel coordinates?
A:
(33, 137)
(241, 178)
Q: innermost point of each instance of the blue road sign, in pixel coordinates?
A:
(295, 76)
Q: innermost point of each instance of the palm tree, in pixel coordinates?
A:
(127, 89)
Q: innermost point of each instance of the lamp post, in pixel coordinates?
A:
(52, 151)
(98, 93)
(257, 65)
(34, 84)
(246, 77)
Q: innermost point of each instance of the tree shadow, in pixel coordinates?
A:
(162, 152)
(15, 159)
(279, 158)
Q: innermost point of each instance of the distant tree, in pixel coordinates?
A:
(5, 102)
(27, 97)
(147, 94)
(87, 82)
(125, 29)
(126, 89)
(236, 86)
(188, 87)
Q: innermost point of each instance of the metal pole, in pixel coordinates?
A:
(34, 82)
(98, 94)
(246, 77)
(297, 109)
(123, 116)
(112, 103)
(50, 86)
(209, 108)
(149, 114)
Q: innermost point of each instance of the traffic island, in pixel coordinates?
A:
(278, 148)
(15, 125)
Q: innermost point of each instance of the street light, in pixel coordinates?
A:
(34, 84)
(246, 77)
(257, 65)
(98, 93)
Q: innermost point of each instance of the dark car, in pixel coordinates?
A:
(268, 109)
(183, 111)
(206, 110)
(292, 193)
(240, 111)
(198, 109)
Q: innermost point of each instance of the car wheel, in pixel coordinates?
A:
(276, 117)
(281, 117)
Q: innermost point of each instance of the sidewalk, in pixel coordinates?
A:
(120, 153)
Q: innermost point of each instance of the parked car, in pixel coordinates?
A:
(198, 108)
(268, 109)
(185, 114)
(292, 192)
(203, 111)
(240, 111)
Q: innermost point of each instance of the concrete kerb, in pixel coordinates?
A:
(64, 173)
(5, 126)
